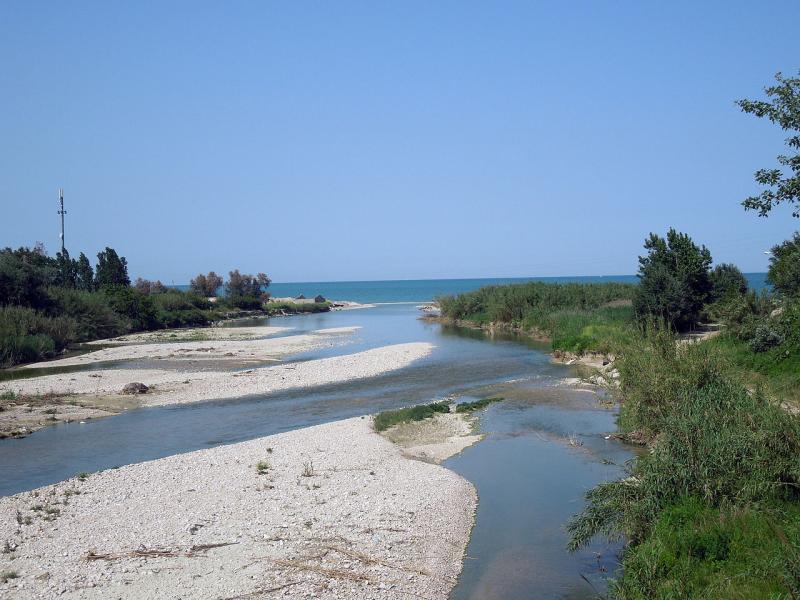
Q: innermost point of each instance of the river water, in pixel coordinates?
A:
(529, 477)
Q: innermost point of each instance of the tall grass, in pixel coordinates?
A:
(513, 303)
(390, 418)
(27, 334)
(716, 449)
(576, 317)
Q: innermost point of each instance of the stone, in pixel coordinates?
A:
(135, 388)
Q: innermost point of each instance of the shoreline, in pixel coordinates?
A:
(46, 400)
(335, 510)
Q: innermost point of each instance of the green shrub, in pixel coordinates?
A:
(468, 407)
(697, 551)
(389, 418)
(180, 309)
(718, 443)
(513, 303)
(277, 308)
(576, 317)
(135, 308)
(27, 335)
(91, 311)
(784, 267)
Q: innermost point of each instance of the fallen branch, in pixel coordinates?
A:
(143, 552)
(260, 591)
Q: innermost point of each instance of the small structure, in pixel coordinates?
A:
(319, 298)
(300, 297)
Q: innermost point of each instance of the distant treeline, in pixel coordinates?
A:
(48, 303)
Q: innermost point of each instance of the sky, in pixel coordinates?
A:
(325, 141)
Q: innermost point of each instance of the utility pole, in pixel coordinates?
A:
(62, 212)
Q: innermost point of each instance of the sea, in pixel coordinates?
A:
(426, 290)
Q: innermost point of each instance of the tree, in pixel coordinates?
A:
(111, 269)
(727, 281)
(147, 287)
(206, 285)
(246, 291)
(783, 109)
(784, 267)
(66, 270)
(674, 280)
(25, 275)
(84, 275)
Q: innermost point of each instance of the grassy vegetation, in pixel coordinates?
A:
(390, 418)
(294, 308)
(468, 407)
(777, 372)
(711, 511)
(576, 317)
(702, 552)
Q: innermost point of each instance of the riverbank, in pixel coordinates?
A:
(330, 511)
(183, 387)
(253, 345)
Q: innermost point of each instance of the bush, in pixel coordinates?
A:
(24, 277)
(697, 551)
(707, 449)
(277, 308)
(764, 338)
(135, 308)
(468, 407)
(784, 267)
(727, 281)
(390, 418)
(91, 311)
(179, 309)
(27, 335)
(514, 303)
(715, 446)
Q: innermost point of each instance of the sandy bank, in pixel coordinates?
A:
(191, 334)
(256, 350)
(333, 511)
(176, 387)
(435, 439)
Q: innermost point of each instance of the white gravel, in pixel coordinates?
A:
(193, 334)
(337, 513)
(257, 350)
(177, 387)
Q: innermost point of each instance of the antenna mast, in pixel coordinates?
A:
(61, 212)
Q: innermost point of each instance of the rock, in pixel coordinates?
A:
(135, 388)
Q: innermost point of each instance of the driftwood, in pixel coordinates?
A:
(142, 552)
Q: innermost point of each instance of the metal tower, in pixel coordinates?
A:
(61, 212)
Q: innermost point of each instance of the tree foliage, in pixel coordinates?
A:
(784, 267)
(147, 287)
(783, 183)
(246, 291)
(727, 281)
(206, 285)
(111, 270)
(674, 280)
(84, 275)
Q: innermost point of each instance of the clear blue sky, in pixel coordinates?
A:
(336, 141)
